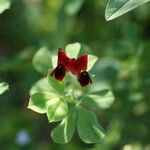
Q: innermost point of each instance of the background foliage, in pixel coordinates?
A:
(122, 46)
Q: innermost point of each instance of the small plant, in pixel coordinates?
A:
(64, 95)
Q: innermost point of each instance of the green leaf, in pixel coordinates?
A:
(63, 133)
(102, 99)
(73, 6)
(88, 126)
(91, 61)
(57, 110)
(55, 84)
(3, 87)
(38, 101)
(72, 50)
(54, 60)
(116, 8)
(41, 86)
(42, 60)
(4, 4)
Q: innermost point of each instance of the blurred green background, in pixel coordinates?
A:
(123, 46)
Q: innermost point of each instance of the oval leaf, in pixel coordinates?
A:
(116, 8)
(54, 60)
(57, 110)
(73, 6)
(91, 61)
(40, 86)
(3, 87)
(72, 50)
(63, 133)
(88, 127)
(102, 99)
(42, 60)
(4, 4)
(38, 101)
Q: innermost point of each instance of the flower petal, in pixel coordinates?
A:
(79, 64)
(61, 56)
(64, 59)
(59, 72)
(84, 78)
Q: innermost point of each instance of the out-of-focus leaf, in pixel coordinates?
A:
(116, 8)
(4, 4)
(102, 99)
(55, 84)
(88, 126)
(73, 49)
(85, 49)
(91, 61)
(57, 110)
(73, 6)
(65, 130)
(41, 85)
(42, 60)
(136, 96)
(3, 87)
(38, 101)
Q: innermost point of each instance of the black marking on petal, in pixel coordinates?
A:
(59, 72)
(84, 78)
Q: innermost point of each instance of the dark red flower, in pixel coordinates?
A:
(77, 67)
(63, 64)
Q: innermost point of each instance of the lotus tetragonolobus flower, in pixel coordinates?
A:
(77, 67)
(63, 64)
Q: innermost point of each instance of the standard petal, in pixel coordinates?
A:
(79, 64)
(61, 56)
(64, 59)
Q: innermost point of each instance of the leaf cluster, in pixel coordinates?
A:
(59, 101)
